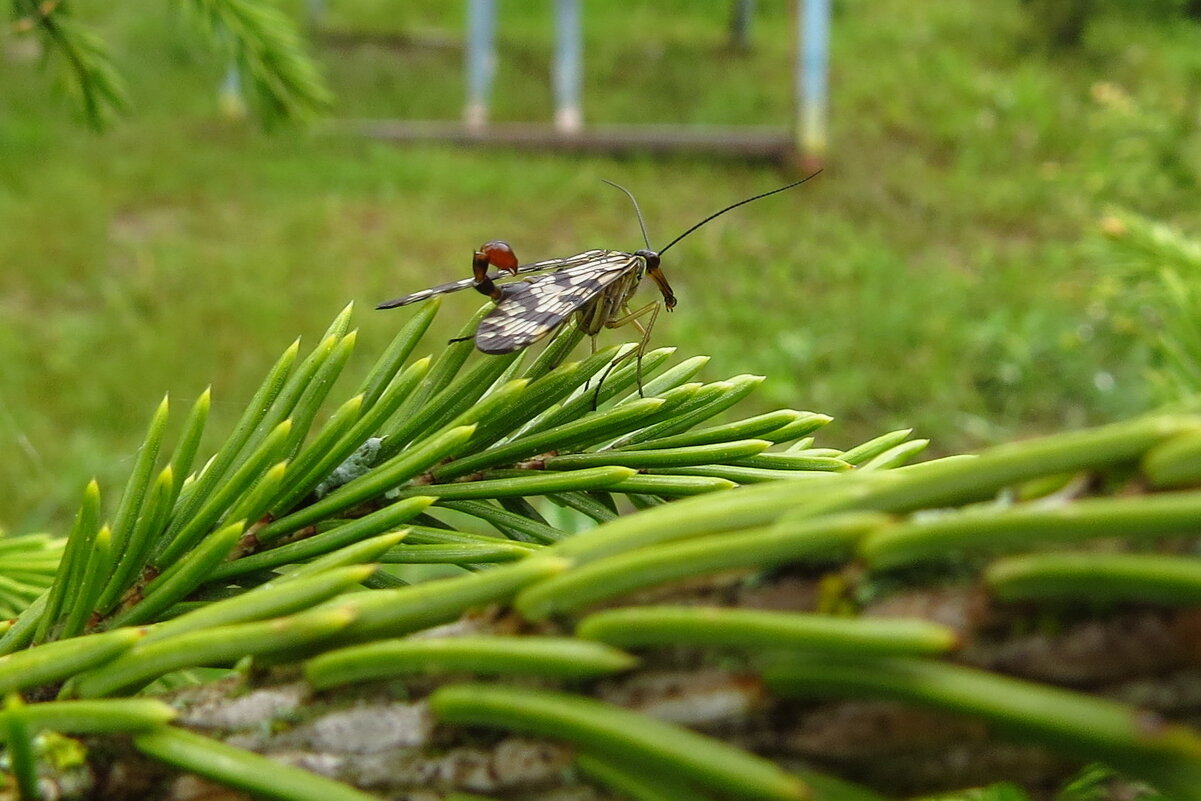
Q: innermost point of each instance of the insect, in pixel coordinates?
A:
(596, 286)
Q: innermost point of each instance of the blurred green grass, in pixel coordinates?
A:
(932, 276)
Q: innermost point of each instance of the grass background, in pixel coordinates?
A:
(942, 273)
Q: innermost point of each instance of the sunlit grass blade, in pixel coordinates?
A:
(1098, 578)
(73, 563)
(526, 482)
(815, 540)
(240, 769)
(757, 630)
(384, 477)
(210, 514)
(213, 645)
(276, 598)
(551, 657)
(398, 351)
(589, 430)
(182, 577)
(139, 479)
(378, 522)
(616, 733)
(506, 520)
(1087, 727)
(661, 457)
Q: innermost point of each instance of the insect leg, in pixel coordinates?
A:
(651, 309)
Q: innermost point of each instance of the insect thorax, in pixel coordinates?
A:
(609, 304)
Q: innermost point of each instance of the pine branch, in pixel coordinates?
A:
(804, 596)
(267, 47)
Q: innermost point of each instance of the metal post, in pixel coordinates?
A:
(230, 100)
(569, 50)
(740, 24)
(812, 71)
(316, 9)
(481, 61)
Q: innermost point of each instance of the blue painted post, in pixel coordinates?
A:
(316, 13)
(481, 61)
(740, 24)
(812, 77)
(569, 59)
(230, 100)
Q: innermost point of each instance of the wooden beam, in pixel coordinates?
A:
(734, 141)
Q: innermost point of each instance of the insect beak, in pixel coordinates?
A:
(669, 297)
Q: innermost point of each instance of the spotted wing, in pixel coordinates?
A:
(529, 311)
(467, 283)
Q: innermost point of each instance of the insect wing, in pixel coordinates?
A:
(467, 283)
(529, 311)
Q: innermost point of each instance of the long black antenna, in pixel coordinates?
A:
(637, 210)
(736, 205)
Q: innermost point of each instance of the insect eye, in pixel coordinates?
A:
(652, 258)
(500, 254)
